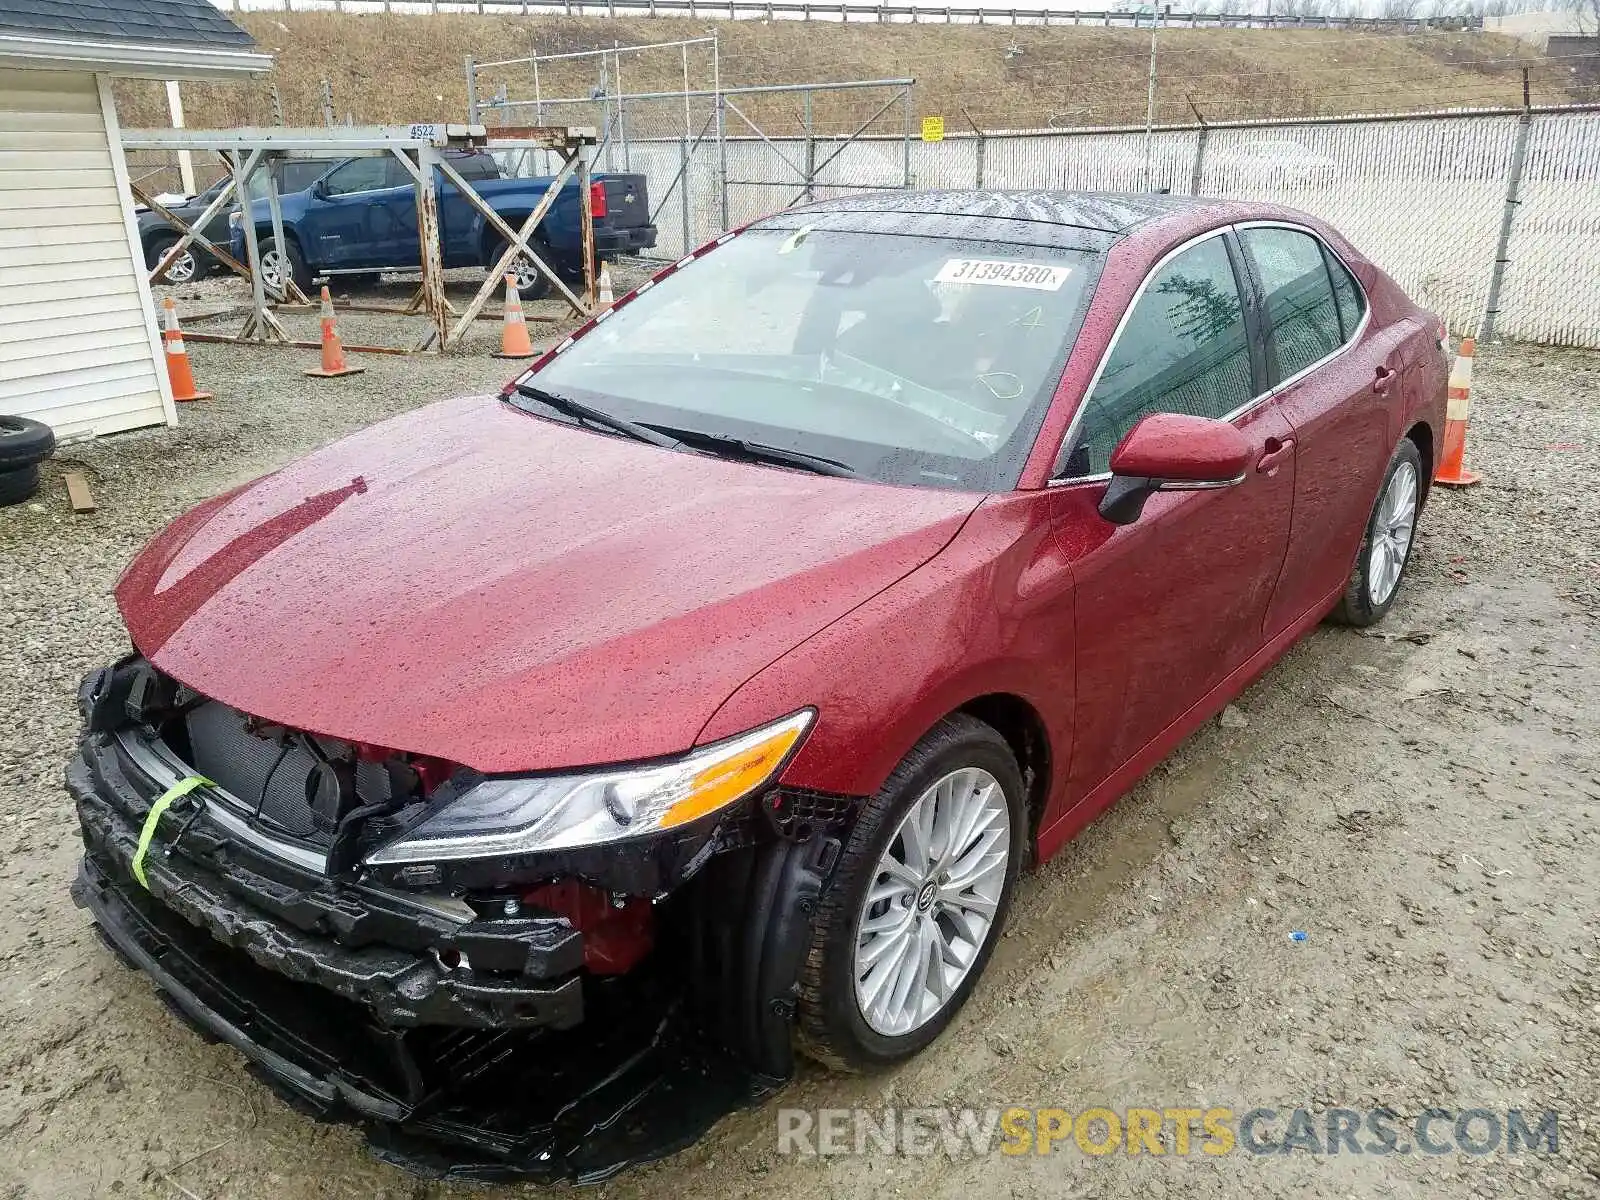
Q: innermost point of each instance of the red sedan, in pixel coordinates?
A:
(724, 671)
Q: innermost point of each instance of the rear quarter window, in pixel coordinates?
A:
(1301, 309)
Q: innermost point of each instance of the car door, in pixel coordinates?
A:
(1334, 378)
(1172, 604)
(347, 215)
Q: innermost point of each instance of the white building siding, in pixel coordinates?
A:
(77, 344)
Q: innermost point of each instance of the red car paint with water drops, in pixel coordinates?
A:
(703, 695)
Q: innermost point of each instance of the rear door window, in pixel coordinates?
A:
(1347, 294)
(1302, 314)
(359, 175)
(1183, 349)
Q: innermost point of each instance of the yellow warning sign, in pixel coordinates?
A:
(933, 129)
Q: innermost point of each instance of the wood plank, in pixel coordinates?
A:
(78, 494)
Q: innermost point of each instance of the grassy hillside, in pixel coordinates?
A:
(405, 68)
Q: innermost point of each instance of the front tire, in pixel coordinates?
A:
(274, 264)
(1386, 546)
(919, 898)
(184, 269)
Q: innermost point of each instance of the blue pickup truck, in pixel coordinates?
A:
(360, 218)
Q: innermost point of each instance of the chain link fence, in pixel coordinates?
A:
(1423, 197)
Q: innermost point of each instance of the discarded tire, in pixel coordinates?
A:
(24, 442)
(18, 484)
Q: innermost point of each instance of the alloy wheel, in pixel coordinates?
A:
(274, 269)
(183, 268)
(932, 901)
(1391, 533)
(526, 274)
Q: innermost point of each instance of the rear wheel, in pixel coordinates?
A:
(183, 269)
(1386, 548)
(531, 282)
(919, 897)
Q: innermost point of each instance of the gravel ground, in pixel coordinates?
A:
(1421, 800)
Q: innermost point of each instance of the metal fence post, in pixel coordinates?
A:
(905, 101)
(472, 92)
(811, 151)
(1502, 245)
(977, 171)
(1199, 147)
(683, 191)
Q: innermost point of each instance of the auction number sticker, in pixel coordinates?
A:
(1039, 277)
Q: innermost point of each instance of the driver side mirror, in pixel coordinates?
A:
(319, 189)
(1171, 452)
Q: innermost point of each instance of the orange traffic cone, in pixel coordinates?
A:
(178, 369)
(1451, 472)
(607, 296)
(514, 341)
(333, 362)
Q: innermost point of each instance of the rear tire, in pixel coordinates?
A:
(849, 1016)
(1386, 545)
(531, 282)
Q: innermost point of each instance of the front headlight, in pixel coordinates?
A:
(556, 812)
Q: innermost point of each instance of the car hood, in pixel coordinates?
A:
(509, 593)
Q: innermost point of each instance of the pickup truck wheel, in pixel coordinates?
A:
(275, 261)
(184, 269)
(906, 926)
(531, 282)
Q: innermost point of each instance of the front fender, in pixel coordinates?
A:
(991, 614)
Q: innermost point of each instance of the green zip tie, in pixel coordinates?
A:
(182, 788)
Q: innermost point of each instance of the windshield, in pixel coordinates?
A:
(908, 359)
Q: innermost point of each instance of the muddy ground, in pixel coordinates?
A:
(1422, 801)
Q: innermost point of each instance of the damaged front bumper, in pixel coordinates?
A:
(515, 1062)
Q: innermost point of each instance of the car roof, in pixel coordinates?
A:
(1077, 220)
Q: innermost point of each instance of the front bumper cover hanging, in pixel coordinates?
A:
(539, 1070)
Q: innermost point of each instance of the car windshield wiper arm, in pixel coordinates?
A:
(580, 411)
(716, 443)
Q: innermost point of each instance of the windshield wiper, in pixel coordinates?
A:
(721, 444)
(580, 411)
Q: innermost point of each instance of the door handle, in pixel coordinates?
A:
(1381, 379)
(1277, 452)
